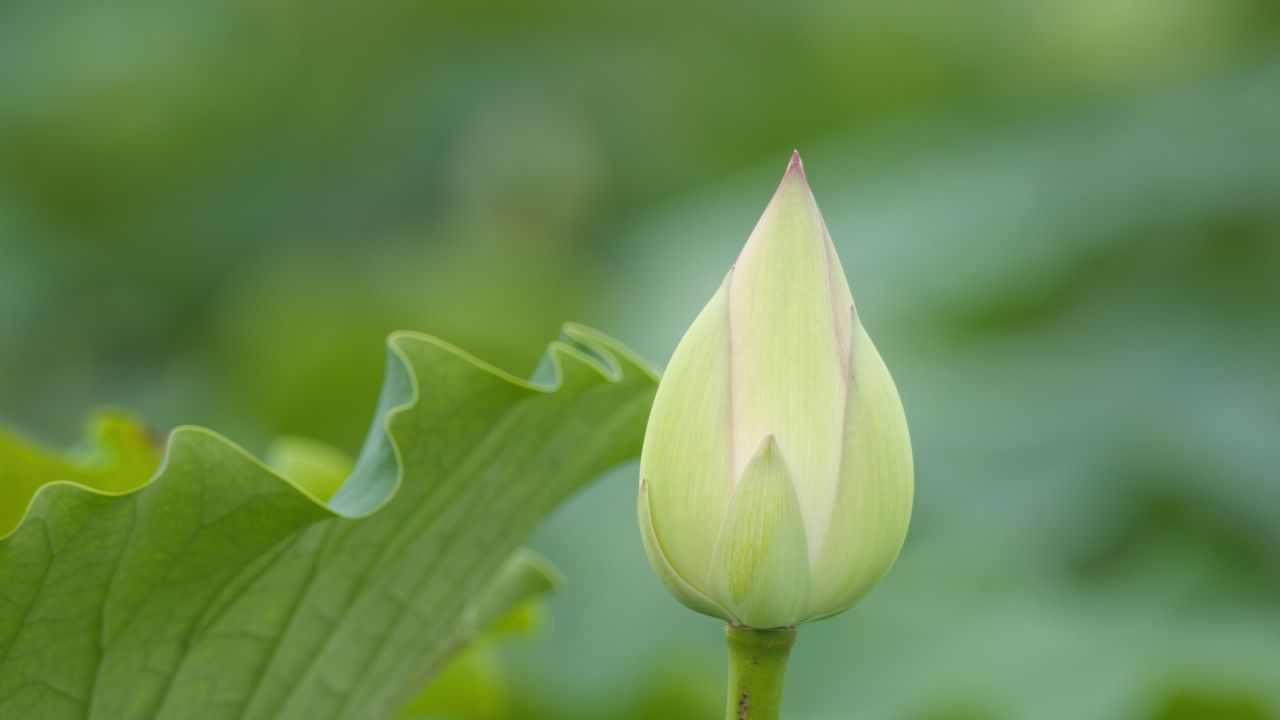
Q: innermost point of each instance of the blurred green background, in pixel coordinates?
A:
(1061, 222)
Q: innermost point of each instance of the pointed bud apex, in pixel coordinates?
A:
(796, 165)
(776, 477)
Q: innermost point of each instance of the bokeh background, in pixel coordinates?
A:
(1061, 222)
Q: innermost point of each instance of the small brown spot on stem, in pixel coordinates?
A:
(744, 705)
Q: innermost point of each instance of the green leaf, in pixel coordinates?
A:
(317, 467)
(221, 589)
(117, 455)
(472, 685)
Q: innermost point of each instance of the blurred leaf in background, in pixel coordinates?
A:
(1061, 221)
(473, 684)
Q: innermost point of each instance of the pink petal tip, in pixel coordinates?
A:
(796, 165)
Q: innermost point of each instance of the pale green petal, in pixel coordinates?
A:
(760, 570)
(686, 456)
(789, 325)
(873, 506)
(684, 592)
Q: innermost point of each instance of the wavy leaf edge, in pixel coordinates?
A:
(591, 347)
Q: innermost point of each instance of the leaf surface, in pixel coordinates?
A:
(222, 589)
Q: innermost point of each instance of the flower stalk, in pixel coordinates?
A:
(757, 668)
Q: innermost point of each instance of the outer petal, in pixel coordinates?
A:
(873, 505)
(686, 456)
(760, 569)
(679, 587)
(789, 325)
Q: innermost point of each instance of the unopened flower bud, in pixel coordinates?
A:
(776, 476)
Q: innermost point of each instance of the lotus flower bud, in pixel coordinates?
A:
(776, 475)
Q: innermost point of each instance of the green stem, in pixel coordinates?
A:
(757, 665)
